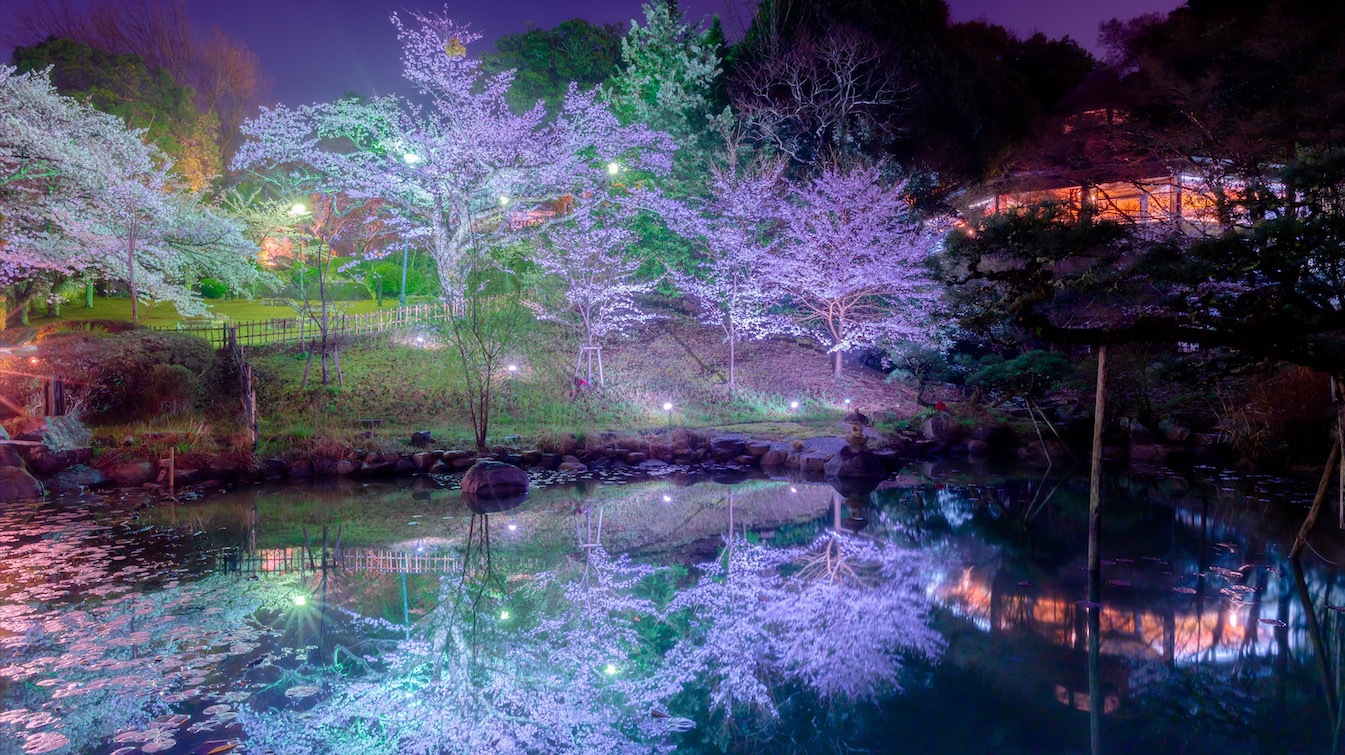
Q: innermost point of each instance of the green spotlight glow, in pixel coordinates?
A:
(504, 615)
(610, 670)
(300, 600)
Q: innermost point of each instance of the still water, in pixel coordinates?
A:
(947, 611)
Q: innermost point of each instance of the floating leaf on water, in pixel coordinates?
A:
(217, 747)
(46, 741)
(159, 745)
(134, 736)
(303, 690)
(216, 709)
(1273, 622)
(49, 682)
(124, 750)
(40, 719)
(174, 721)
(1184, 590)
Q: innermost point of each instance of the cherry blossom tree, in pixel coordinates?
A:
(80, 192)
(736, 232)
(852, 262)
(597, 280)
(468, 171)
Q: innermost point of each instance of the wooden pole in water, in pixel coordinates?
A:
(172, 471)
(1097, 702)
(1327, 474)
(1095, 476)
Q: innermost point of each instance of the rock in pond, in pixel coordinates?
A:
(494, 479)
(76, 479)
(17, 485)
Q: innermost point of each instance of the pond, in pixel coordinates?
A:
(947, 611)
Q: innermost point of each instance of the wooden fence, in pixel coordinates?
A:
(303, 329)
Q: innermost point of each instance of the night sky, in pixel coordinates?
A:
(313, 50)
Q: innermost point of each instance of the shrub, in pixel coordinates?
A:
(211, 288)
(135, 374)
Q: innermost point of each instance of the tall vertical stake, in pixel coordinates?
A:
(1095, 477)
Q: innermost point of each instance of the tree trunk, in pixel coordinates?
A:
(733, 385)
(130, 275)
(1095, 476)
(88, 294)
(836, 361)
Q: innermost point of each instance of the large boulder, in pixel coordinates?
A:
(76, 479)
(133, 473)
(848, 462)
(725, 447)
(17, 485)
(56, 433)
(46, 462)
(10, 457)
(494, 479)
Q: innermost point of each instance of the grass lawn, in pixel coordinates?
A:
(165, 314)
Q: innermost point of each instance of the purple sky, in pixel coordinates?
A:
(318, 49)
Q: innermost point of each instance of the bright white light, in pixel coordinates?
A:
(504, 615)
(667, 499)
(847, 402)
(793, 404)
(504, 201)
(613, 168)
(667, 406)
(300, 600)
(513, 527)
(610, 670)
(793, 490)
(513, 368)
(297, 209)
(420, 339)
(33, 360)
(411, 158)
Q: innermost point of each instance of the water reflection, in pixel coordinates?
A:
(706, 614)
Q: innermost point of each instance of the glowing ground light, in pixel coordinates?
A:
(610, 670)
(793, 490)
(793, 404)
(847, 402)
(504, 201)
(297, 209)
(504, 615)
(667, 499)
(667, 406)
(411, 158)
(513, 368)
(300, 600)
(613, 168)
(513, 527)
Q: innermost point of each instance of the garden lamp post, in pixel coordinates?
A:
(401, 298)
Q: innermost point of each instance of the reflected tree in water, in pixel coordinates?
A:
(839, 616)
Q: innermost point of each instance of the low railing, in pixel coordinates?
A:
(304, 329)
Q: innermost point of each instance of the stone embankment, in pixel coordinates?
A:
(54, 456)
